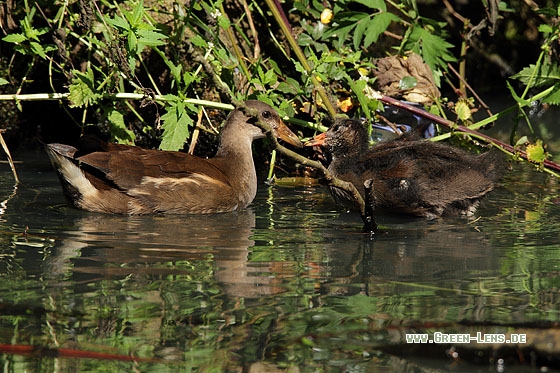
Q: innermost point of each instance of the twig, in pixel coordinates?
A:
(9, 156)
(159, 98)
(327, 175)
(195, 133)
(451, 10)
(40, 351)
(120, 96)
(257, 49)
(467, 85)
(370, 226)
(548, 164)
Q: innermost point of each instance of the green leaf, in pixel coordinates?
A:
(81, 90)
(545, 29)
(554, 97)
(188, 78)
(286, 88)
(304, 40)
(199, 41)
(3, 81)
(340, 31)
(361, 27)
(307, 341)
(14, 38)
(358, 87)
(38, 49)
(318, 31)
(176, 124)
(435, 51)
(463, 111)
(223, 22)
(132, 44)
(228, 61)
(407, 82)
(118, 128)
(546, 75)
(377, 26)
(131, 62)
(174, 69)
(119, 23)
(536, 153)
(374, 4)
(138, 13)
(30, 32)
(150, 38)
(522, 141)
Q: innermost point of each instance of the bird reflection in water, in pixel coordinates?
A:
(105, 247)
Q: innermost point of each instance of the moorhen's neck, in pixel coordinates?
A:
(234, 144)
(235, 156)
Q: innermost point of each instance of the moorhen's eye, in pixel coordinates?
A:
(266, 114)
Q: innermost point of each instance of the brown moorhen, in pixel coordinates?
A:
(410, 175)
(126, 179)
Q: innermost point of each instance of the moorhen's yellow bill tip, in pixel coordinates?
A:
(282, 131)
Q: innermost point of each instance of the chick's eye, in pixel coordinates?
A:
(266, 114)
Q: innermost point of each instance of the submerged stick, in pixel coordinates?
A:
(40, 351)
(370, 225)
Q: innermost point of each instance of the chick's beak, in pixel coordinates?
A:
(318, 140)
(283, 132)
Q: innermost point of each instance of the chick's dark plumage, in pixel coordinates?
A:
(410, 175)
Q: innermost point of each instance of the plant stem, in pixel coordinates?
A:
(463, 63)
(272, 164)
(140, 96)
(280, 17)
(235, 45)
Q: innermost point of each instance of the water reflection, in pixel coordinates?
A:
(100, 247)
(289, 282)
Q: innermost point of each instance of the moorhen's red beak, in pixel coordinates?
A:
(318, 140)
(283, 132)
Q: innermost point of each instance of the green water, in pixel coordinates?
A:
(289, 284)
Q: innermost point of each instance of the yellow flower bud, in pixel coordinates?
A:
(326, 16)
